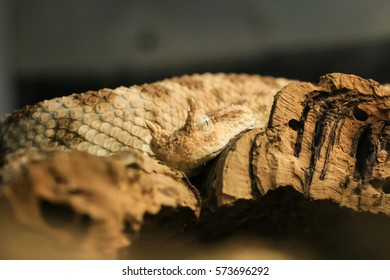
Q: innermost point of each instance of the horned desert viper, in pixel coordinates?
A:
(184, 121)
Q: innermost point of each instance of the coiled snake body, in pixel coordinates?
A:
(184, 121)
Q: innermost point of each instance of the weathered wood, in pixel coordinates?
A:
(231, 178)
(328, 141)
(75, 205)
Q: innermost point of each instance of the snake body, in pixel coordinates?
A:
(109, 121)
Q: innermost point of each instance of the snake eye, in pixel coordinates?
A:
(203, 122)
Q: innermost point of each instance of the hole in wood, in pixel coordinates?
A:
(359, 114)
(293, 124)
(376, 183)
(60, 215)
(386, 186)
(77, 192)
(133, 165)
(56, 214)
(365, 153)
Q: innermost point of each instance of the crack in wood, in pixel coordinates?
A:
(255, 192)
(365, 154)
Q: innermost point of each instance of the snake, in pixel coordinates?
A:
(182, 121)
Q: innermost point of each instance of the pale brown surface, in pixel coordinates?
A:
(75, 205)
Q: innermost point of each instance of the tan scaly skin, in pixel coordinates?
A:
(183, 121)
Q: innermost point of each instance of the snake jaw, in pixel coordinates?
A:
(201, 138)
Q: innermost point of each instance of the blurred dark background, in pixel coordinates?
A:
(51, 48)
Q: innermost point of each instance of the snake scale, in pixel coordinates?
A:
(183, 121)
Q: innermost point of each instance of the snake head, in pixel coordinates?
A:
(201, 138)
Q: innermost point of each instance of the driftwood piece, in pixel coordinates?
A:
(75, 205)
(328, 141)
